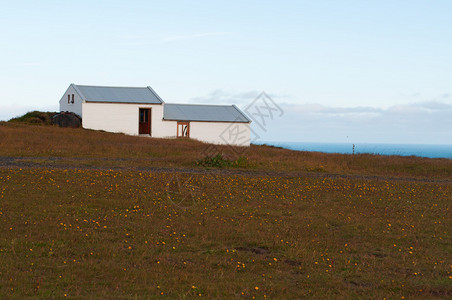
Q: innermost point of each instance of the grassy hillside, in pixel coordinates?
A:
(35, 117)
(87, 214)
(118, 150)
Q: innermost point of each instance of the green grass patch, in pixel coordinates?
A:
(218, 161)
(35, 117)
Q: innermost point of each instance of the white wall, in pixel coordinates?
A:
(162, 128)
(237, 134)
(121, 117)
(76, 107)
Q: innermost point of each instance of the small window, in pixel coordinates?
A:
(144, 116)
(72, 98)
(68, 99)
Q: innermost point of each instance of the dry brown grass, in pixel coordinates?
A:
(131, 234)
(49, 141)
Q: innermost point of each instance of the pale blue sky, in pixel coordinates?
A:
(361, 71)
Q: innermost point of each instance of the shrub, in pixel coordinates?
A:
(35, 117)
(218, 161)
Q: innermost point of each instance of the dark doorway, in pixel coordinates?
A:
(145, 121)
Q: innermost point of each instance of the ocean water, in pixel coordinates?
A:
(431, 151)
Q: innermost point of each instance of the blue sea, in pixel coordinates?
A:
(431, 151)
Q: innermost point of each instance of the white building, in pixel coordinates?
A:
(140, 111)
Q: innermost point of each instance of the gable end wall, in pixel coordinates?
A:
(76, 107)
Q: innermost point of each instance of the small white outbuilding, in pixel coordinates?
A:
(141, 111)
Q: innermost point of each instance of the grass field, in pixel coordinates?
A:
(100, 215)
(101, 149)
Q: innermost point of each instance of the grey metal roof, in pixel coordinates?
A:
(213, 113)
(145, 95)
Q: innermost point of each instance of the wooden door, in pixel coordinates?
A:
(144, 121)
(183, 129)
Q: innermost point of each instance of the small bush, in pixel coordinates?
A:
(241, 162)
(218, 161)
(35, 117)
(315, 169)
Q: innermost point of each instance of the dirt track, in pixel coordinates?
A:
(84, 163)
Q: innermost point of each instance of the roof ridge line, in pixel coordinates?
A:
(156, 95)
(79, 92)
(112, 86)
(241, 112)
(223, 105)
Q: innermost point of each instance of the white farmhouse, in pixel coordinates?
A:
(140, 111)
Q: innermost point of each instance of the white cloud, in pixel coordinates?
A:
(418, 122)
(226, 97)
(315, 108)
(423, 122)
(434, 105)
(419, 107)
(239, 98)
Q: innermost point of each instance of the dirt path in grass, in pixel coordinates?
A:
(118, 164)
